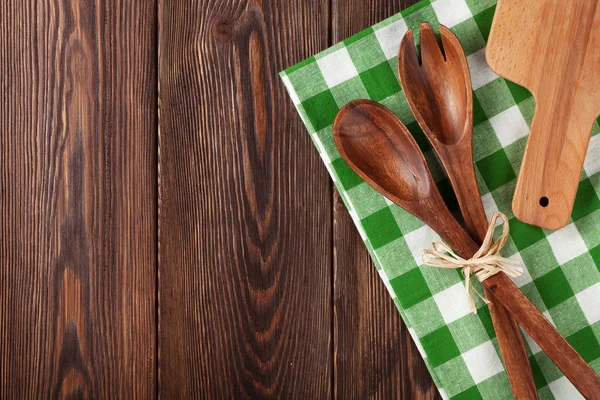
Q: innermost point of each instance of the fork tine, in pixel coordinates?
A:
(408, 50)
(431, 53)
(453, 50)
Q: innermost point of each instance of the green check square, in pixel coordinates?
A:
(519, 93)
(421, 14)
(380, 81)
(309, 70)
(596, 127)
(440, 346)
(371, 200)
(494, 97)
(527, 108)
(538, 376)
(381, 228)
(477, 332)
(348, 178)
(411, 288)
(415, 7)
(406, 220)
(586, 344)
(588, 229)
(419, 136)
(568, 317)
(478, 112)
(456, 375)
(440, 279)
(355, 38)
(425, 310)
(470, 394)
(524, 235)
(478, 6)
(496, 170)
(554, 288)
(321, 110)
(483, 19)
(595, 253)
(497, 386)
(486, 320)
(392, 256)
(581, 272)
(586, 200)
(485, 141)
(469, 36)
(366, 53)
(549, 369)
(349, 90)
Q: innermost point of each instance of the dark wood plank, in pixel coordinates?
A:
(374, 353)
(77, 199)
(245, 205)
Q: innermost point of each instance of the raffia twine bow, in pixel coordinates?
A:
(486, 262)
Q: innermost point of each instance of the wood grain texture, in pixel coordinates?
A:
(77, 199)
(375, 356)
(245, 205)
(563, 77)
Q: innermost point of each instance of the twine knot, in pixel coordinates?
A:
(486, 262)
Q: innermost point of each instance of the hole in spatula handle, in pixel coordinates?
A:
(544, 201)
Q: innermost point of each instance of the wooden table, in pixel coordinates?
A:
(167, 226)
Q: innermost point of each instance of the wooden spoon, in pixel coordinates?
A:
(438, 90)
(379, 148)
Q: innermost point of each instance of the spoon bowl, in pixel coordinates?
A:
(381, 150)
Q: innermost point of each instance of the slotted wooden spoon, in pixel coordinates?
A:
(438, 90)
(381, 150)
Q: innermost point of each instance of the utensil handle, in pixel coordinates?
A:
(552, 163)
(581, 375)
(513, 350)
(464, 182)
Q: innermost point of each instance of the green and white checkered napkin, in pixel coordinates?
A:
(562, 277)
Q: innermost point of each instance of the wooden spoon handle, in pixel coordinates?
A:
(581, 375)
(513, 350)
(461, 173)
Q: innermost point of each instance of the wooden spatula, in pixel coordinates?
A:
(552, 48)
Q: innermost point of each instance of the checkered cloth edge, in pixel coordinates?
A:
(562, 277)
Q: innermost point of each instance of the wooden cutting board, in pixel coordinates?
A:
(551, 47)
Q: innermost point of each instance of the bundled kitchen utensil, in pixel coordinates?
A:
(438, 89)
(553, 49)
(379, 148)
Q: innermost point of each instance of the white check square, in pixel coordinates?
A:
(525, 277)
(451, 12)
(567, 243)
(386, 282)
(337, 67)
(563, 389)
(389, 38)
(453, 303)
(489, 204)
(483, 362)
(481, 73)
(419, 240)
(290, 89)
(591, 165)
(589, 301)
(509, 126)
